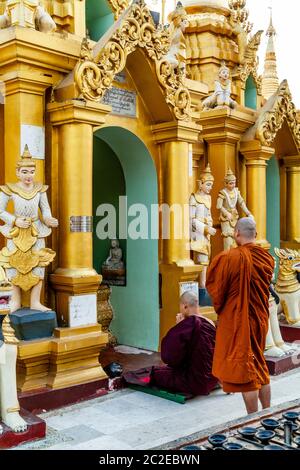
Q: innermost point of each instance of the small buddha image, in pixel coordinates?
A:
(113, 268)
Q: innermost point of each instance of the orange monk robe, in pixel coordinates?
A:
(238, 282)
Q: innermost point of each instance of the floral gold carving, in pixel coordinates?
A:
(283, 109)
(105, 312)
(249, 65)
(95, 72)
(118, 6)
(239, 14)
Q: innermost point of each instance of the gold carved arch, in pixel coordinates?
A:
(250, 70)
(272, 120)
(249, 64)
(97, 68)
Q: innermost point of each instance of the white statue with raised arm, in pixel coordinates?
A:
(25, 256)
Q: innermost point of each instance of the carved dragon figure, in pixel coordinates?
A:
(288, 286)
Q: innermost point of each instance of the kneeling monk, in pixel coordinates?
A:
(238, 282)
(187, 349)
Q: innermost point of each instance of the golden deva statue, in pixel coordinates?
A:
(221, 98)
(178, 22)
(228, 200)
(201, 223)
(25, 256)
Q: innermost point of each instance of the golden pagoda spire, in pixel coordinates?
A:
(270, 81)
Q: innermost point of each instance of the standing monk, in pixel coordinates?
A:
(238, 282)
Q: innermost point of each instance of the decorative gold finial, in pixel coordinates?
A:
(8, 332)
(223, 67)
(26, 159)
(230, 176)
(240, 14)
(206, 175)
(5, 284)
(270, 80)
(271, 31)
(179, 11)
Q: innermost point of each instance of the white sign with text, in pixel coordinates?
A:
(189, 286)
(82, 310)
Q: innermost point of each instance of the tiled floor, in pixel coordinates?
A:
(132, 420)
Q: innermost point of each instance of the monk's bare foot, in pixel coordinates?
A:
(14, 306)
(39, 306)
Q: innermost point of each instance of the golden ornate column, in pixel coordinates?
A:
(175, 139)
(75, 121)
(257, 157)
(23, 115)
(197, 163)
(292, 165)
(222, 129)
(283, 202)
(177, 269)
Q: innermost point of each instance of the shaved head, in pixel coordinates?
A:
(189, 298)
(246, 228)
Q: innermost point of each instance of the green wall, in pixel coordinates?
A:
(136, 306)
(250, 93)
(99, 18)
(106, 190)
(273, 204)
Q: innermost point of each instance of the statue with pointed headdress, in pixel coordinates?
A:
(177, 52)
(25, 255)
(221, 98)
(228, 201)
(201, 223)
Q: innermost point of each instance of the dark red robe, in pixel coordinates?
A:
(187, 349)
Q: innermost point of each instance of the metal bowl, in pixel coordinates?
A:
(270, 424)
(233, 446)
(193, 447)
(273, 447)
(265, 436)
(247, 432)
(217, 440)
(297, 441)
(291, 416)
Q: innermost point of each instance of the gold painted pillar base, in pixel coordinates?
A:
(69, 284)
(222, 130)
(71, 357)
(171, 278)
(257, 157)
